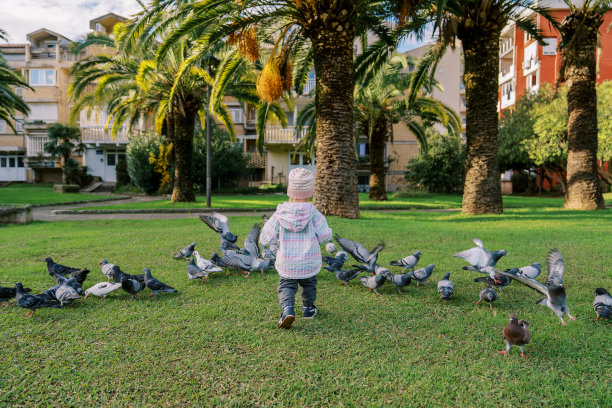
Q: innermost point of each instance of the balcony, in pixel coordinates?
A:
(309, 86)
(97, 135)
(35, 146)
(506, 74)
(283, 135)
(257, 161)
(530, 66)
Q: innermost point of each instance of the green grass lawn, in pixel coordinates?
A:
(39, 194)
(217, 343)
(415, 200)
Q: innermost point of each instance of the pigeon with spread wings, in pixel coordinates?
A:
(361, 254)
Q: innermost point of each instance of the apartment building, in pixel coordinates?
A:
(45, 62)
(525, 64)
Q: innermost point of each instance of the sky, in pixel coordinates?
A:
(67, 17)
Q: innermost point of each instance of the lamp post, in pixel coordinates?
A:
(209, 60)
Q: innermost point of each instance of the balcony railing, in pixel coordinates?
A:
(309, 86)
(35, 146)
(257, 161)
(279, 134)
(97, 134)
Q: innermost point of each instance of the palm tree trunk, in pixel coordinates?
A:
(183, 151)
(482, 188)
(378, 191)
(583, 185)
(336, 177)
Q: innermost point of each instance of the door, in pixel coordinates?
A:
(12, 167)
(112, 157)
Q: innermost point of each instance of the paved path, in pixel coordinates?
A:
(46, 213)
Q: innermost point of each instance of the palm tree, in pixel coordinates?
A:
(63, 142)
(478, 25)
(315, 33)
(380, 101)
(579, 33)
(9, 101)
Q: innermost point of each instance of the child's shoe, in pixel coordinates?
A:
(309, 312)
(287, 318)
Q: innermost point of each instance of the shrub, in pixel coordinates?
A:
(140, 170)
(442, 168)
(121, 172)
(229, 162)
(74, 173)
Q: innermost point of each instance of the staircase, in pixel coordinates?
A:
(99, 187)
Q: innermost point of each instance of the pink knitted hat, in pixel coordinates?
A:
(301, 184)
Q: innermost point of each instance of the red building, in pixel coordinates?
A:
(525, 64)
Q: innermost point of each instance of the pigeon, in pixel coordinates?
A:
(80, 275)
(330, 247)
(516, 333)
(335, 263)
(195, 272)
(602, 304)
(499, 281)
(554, 290)
(54, 268)
(421, 275)
(400, 280)
(156, 285)
(226, 246)
(185, 252)
(220, 224)
(267, 253)
(345, 275)
(131, 286)
(102, 289)
(66, 293)
(251, 246)
(445, 287)
(32, 302)
(107, 268)
(205, 264)
(360, 253)
(247, 263)
(117, 274)
(9, 293)
(376, 281)
(72, 282)
(49, 294)
(408, 262)
(530, 271)
(479, 257)
(488, 294)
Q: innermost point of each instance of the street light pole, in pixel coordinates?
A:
(208, 152)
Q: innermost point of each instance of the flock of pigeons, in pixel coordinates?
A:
(251, 258)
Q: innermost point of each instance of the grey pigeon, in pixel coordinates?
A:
(66, 293)
(185, 252)
(498, 281)
(554, 290)
(400, 280)
(530, 271)
(602, 304)
(335, 263)
(376, 281)
(32, 302)
(49, 294)
(131, 286)
(489, 295)
(516, 333)
(107, 268)
(445, 287)
(251, 242)
(479, 257)
(80, 275)
(345, 275)
(117, 274)
(9, 293)
(102, 289)
(227, 246)
(72, 282)
(205, 264)
(247, 263)
(408, 262)
(267, 253)
(55, 268)
(156, 285)
(194, 271)
(330, 247)
(360, 253)
(421, 275)
(220, 224)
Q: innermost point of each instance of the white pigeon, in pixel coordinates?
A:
(330, 247)
(102, 289)
(530, 271)
(107, 268)
(205, 264)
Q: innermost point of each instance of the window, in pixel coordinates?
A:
(2, 161)
(364, 149)
(237, 115)
(306, 161)
(12, 162)
(42, 77)
(295, 159)
(528, 37)
(251, 145)
(43, 111)
(20, 161)
(110, 159)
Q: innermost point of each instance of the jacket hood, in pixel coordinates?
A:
(295, 216)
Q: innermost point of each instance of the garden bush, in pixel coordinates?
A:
(140, 170)
(74, 173)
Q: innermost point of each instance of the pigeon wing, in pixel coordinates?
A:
(355, 249)
(478, 243)
(533, 284)
(556, 267)
(212, 223)
(237, 261)
(375, 251)
(250, 242)
(475, 256)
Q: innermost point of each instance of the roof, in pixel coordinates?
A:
(106, 19)
(45, 32)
